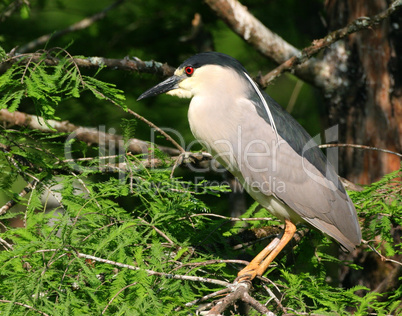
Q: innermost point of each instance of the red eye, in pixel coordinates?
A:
(189, 70)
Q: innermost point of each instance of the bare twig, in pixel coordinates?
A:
(383, 258)
(11, 8)
(85, 134)
(273, 297)
(72, 28)
(150, 272)
(158, 231)
(13, 202)
(239, 292)
(25, 305)
(6, 245)
(232, 219)
(294, 96)
(161, 131)
(361, 147)
(207, 297)
(117, 294)
(140, 117)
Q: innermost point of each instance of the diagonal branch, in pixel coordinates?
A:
(85, 134)
(13, 202)
(148, 271)
(24, 305)
(318, 45)
(72, 28)
(271, 45)
(250, 29)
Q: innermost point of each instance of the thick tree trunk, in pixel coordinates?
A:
(368, 106)
(368, 103)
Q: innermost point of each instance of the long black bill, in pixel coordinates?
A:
(165, 86)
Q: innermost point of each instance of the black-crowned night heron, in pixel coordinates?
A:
(267, 150)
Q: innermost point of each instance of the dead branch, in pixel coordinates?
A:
(232, 219)
(146, 121)
(149, 272)
(6, 245)
(361, 147)
(359, 24)
(250, 29)
(244, 24)
(85, 134)
(25, 305)
(210, 262)
(383, 258)
(239, 292)
(72, 28)
(206, 297)
(13, 202)
(158, 231)
(11, 8)
(126, 64)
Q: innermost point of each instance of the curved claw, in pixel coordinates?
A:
(245, 276)
(262, 261)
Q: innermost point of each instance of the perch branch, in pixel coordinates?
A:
(207, 297)
(239, 292)
(6, 245)
(232, 219)
(383, 258)
(210, 262)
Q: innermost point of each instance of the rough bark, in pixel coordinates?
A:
(368, 107)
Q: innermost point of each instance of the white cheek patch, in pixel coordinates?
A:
(185, 94)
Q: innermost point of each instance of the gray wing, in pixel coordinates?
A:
(302, 179)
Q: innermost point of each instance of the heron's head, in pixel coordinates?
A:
(210, 72)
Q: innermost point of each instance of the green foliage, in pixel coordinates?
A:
(142, 218)
(380, 207)
(97, 237)
(45, 271)
(46, 86)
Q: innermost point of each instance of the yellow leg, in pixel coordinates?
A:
(262, 261)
